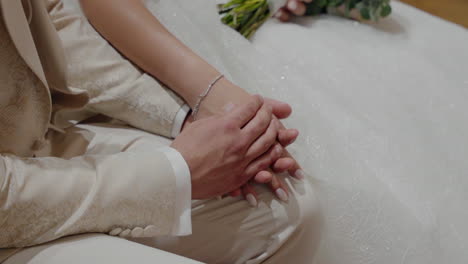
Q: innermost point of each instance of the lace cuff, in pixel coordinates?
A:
(179, 120)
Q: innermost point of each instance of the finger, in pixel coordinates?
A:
(296, 170)
(279, 188)
(250, 194)
(264, 142)
(258, 127)
(241, 115)
(263, 162)
(283, 15)
(287, 137)
(263, 177)
(283, 164)
(280, 109)
(296, 7)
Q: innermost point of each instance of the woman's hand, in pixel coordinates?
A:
(270, 177)
(292, 8)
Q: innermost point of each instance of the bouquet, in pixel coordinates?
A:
(246, 16)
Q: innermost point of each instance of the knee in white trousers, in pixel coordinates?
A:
(230, 231)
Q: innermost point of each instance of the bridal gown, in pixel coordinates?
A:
(383, 115)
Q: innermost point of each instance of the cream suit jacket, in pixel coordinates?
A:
(44, 198)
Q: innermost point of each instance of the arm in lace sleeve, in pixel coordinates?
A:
(153, 48)
(116, 87)
(42, 199)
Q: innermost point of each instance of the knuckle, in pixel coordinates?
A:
(251, 107)
(266, 145)
(272, 135)
(230, 126)
(258, 131)
(238, 148)
(276, 154)
(256, 101)
(255, 131)
(272, 143)
(278, 150)
(263, 164)
(265, 121)
(269, 110)
(249, 171)
(273, 157)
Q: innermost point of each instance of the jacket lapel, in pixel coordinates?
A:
(49, 47)
(40, 47)
(18, 28)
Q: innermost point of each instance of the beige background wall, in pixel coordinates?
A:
(452, 10)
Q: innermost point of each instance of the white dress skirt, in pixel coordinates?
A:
(383, 115)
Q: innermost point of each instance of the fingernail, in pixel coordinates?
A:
(292, 5)
(299, 174)
(252, 200)
(282, 195)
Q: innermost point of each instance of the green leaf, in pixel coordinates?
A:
(227, 19)
(233, 3)
(349, 5)
(386, 10)
(313, 9)
(321, 3)
(365, 13)
(352, 4)
(335, 3)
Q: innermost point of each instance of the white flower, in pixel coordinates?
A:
(275, 5)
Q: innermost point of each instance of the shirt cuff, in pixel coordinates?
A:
(179, 120)
(183, 204)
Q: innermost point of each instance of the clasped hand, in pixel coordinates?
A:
(226, 151)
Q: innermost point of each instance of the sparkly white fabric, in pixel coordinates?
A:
(383, 121)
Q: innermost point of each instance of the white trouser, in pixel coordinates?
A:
(224, 231)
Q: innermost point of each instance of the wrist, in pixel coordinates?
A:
(225, 92)
(196, 82)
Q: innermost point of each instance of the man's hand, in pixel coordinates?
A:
(228, 93)
(222, 151)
